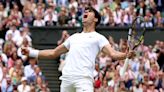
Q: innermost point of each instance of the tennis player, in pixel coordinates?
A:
(82, 48)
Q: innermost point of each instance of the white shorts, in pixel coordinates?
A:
(77, 85)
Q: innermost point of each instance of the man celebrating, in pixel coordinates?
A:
(82, 48)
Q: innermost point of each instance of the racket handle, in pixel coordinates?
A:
(124, 68)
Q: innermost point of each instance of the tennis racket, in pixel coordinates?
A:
(135, 37)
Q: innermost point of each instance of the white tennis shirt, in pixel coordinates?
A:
(83, 49)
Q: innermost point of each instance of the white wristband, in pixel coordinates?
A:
(33, 53)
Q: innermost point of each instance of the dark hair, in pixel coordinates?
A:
(97, 15)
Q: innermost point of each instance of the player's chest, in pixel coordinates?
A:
(84, 41)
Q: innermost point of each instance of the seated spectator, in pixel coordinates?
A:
(158, 20)
(39, 21)
(3, 12)
(37, 73)
(15, 12)
(73, 3)
(9, 49)
(151, 87)
(50, 21)
(39, 84)
(29, 69)
(63, 18)
(13, 34)
(147, 23)
(73, 18)
(50, 16)
(16, 72)
(45, 88)
(39, 9)
(3, 58)
(159, 81)
(27, 17)
(6, 85)
(24, 87)
(117, 15)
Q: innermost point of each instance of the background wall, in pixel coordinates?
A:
(50, 35)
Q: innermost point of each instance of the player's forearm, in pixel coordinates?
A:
(47, 54)
(119, 55)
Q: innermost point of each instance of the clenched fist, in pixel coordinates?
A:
(25, 51)
(131, 54)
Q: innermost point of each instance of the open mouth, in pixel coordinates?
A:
(85, 16)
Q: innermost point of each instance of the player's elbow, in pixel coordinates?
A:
(113, 56)
(54, 54)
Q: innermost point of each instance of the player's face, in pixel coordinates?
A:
(88, 17)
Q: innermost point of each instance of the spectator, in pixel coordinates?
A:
(39, 21)
(15, 12)
(141, 8)
(73, 4)
(63, 18)
(159, 82)
(16, 72)
(151, 87)
(117, 15)
(159, 5)
(23, 87)
(29, 69)
(73, 18)
(41, 2)
(38, 73)
(13, 34)
(39, 84)
(39, 9)
(50, 16)
(45, 88)
(158, 20)
(27, 17)
(50, 21)
(6, 85)
(3, 13)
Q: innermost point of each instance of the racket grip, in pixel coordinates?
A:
(124, 68)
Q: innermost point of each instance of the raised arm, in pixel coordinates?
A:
(52, 53)
(45, 54)
(107, 49)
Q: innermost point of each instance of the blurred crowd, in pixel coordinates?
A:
(19, 73)
(69, 12)
(145, 71)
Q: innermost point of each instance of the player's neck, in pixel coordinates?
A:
(87, 29)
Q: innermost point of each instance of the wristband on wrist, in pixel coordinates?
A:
(33, 53)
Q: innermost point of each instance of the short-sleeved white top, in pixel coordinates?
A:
(83, 49)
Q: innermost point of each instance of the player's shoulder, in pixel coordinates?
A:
(75, 34)
(99, 35)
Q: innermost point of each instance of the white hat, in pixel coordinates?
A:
(23, 79)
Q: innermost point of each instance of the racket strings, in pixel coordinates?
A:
(137, 33)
